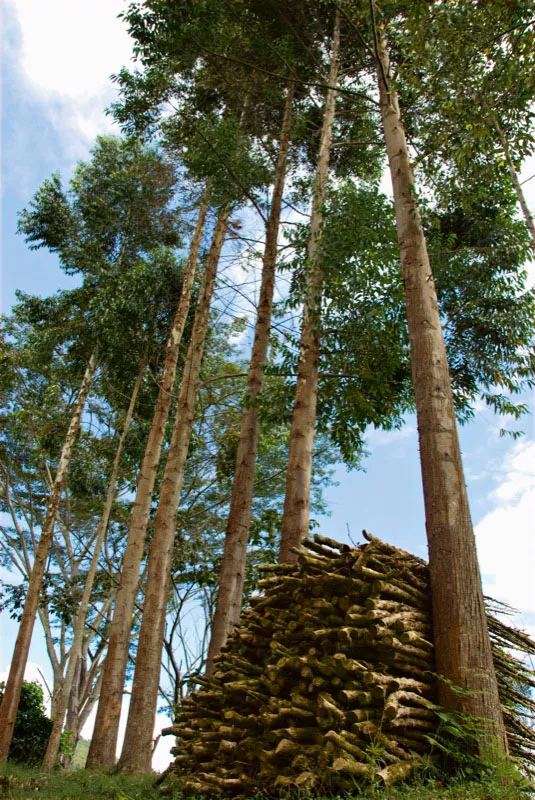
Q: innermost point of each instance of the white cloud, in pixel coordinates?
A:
(506, 534)
(68, 50)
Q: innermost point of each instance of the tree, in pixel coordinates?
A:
(462, 643)
(229, 599)
(118, 208)
(296, 500)
(10, 700)
(81, 614)
(103, 747)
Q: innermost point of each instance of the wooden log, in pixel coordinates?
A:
(305, 781)
(351, 766)
(412, 723)
(391, 590)
(227, 746)
(224, 784)
(398, 771)
(332, 543)
(310, 735)
(327, 710)
(403, 698)
(356, 715)
(341, 741)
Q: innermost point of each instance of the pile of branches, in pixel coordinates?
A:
(330, 679)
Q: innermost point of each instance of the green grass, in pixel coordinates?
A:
(17, 783)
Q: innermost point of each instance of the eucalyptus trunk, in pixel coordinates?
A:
(10, 701)
(229, 597)
(528, 216)
(66, 695)
(104, 741)
(296, 512)
(137, 748)
(462, 644)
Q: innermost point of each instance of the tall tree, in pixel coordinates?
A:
(103, 743)
(136, 755)
(117, 208)
(296, 503)
(10, 700)
(462, 644)
(229, 598)
(80, 620)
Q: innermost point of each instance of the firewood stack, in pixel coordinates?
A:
(329, 679)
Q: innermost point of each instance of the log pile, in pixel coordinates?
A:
(329, 679)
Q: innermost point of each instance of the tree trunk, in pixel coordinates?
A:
(104, 740)
(74, 666)
(229, 597)
(137, 748)
(514, 177)
(462, 645)
(10, 701)
(295, 516)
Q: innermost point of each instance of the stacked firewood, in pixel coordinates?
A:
(330, 679)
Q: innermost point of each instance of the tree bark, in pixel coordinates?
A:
(296, 512)
(229, 597)
(462, 644)
(74, 664)
(10, 701)
(137, 748)
(528, 216)
(104, 741)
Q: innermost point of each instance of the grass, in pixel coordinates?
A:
(18, 783)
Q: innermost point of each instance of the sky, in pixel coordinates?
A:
(57, 60)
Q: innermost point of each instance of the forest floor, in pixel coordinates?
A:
(17, 783)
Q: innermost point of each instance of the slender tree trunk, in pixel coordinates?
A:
(528, 216)
(229, 597)
(296, 512)
(462, 644)
(74, 664)
(104, 741)
(137, 748)
(10, 701)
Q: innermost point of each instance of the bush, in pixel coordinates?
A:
(32, 726)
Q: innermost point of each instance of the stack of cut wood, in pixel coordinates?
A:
(330, 679)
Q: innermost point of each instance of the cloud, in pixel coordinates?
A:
(65, 52)
(506, 534)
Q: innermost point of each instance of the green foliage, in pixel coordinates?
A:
(32, 726)
(117, 207)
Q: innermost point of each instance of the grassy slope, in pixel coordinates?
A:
(25, 784)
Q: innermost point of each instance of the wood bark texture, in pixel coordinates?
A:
(104, 741)
(10, 701)
(230, 593)
(75, 663)
(296, 511)
(462, 644)
(136, 755)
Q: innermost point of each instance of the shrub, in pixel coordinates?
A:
(32, 726)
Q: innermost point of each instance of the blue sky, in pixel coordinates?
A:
(57, 59)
